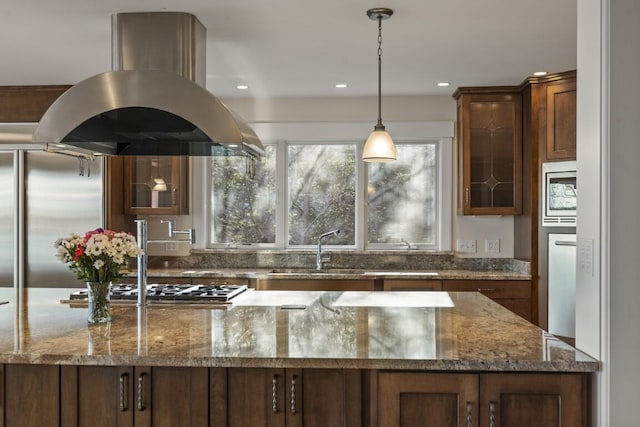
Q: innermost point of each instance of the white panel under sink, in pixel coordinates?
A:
(283, 299)
(394, 299)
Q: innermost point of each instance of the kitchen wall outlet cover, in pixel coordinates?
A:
(492, 245)
(468, 246)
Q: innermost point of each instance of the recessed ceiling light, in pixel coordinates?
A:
(540, 73)
(341, 85)
(242, 87)
(443, 84)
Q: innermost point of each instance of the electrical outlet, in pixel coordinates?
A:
(492, 246)
(468, 246)
(171, 247)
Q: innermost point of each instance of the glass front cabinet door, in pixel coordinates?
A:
(156, 185)
(489, 151)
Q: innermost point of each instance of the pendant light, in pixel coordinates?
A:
(379, 146)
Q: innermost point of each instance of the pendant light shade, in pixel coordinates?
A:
(379, 146)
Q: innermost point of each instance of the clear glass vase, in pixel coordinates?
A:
(98, 302)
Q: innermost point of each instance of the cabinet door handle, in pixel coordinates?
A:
(274, 394)
(492, 414)
(122, 386)
(293, 394)
(174, 197)
(469, 415)
(141, 392)
(466, 196)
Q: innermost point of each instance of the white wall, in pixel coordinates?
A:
(608, 302)
(395, 108)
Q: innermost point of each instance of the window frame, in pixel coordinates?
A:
(282, 134)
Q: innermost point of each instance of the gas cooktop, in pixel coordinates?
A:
(185, 293)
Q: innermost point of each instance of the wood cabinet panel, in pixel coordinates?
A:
(293, 397)
(256, 397)
(489, 400)
(561, 121)
(97, 396)
(27, 103)
(442, 399)
(34, 397)
(530, 400)
(172, 397)
(141, 396)
(412, 285)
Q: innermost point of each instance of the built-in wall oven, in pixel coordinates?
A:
(559, 194)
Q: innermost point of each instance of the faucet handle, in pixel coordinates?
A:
(172, 226)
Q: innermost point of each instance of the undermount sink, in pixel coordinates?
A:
(293, 271)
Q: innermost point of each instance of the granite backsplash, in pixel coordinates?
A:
(369, 260)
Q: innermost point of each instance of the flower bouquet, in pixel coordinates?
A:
(97, 259)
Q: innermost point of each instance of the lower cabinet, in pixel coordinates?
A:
(489, 400)
(512, 294)
(292, 397)
(31, 395)
(126, 396)
(95, 396)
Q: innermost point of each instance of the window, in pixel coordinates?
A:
(321, 192)
(402, 195)
(303, 188)
(243, 208)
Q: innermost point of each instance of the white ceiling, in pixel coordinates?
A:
(283, 48)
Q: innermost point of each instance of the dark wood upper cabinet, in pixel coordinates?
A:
(156, 185)
(27, 103)
(561, 120)
(489, 150)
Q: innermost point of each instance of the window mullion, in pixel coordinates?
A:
(282, 202)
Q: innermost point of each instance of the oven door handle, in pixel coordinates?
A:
(564, 243)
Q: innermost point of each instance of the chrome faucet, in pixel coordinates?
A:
(320, 260)
(407, 244)
(173, 232)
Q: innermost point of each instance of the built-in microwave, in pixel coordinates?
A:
(559, 194)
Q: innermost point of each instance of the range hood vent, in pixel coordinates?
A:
(154, 102)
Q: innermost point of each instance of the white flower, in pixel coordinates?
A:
(98, 264)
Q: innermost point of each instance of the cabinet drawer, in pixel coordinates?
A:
(491, 288)
(316, 284)
(219, 281)
(412, 285)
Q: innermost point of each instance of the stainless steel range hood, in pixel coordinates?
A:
(154, 102)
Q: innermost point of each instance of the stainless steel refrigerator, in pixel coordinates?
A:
(43, 196)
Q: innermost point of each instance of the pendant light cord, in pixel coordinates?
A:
(379, 125)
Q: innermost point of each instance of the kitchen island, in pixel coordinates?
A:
(292, 358)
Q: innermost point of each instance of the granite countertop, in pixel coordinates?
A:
(360, 330)
(301, 273)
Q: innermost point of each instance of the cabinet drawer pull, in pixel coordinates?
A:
(469, 415)
(492, 414)
(141, 392)
(274, 394)
(122, 386)
(487, 289)
(293, 394)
